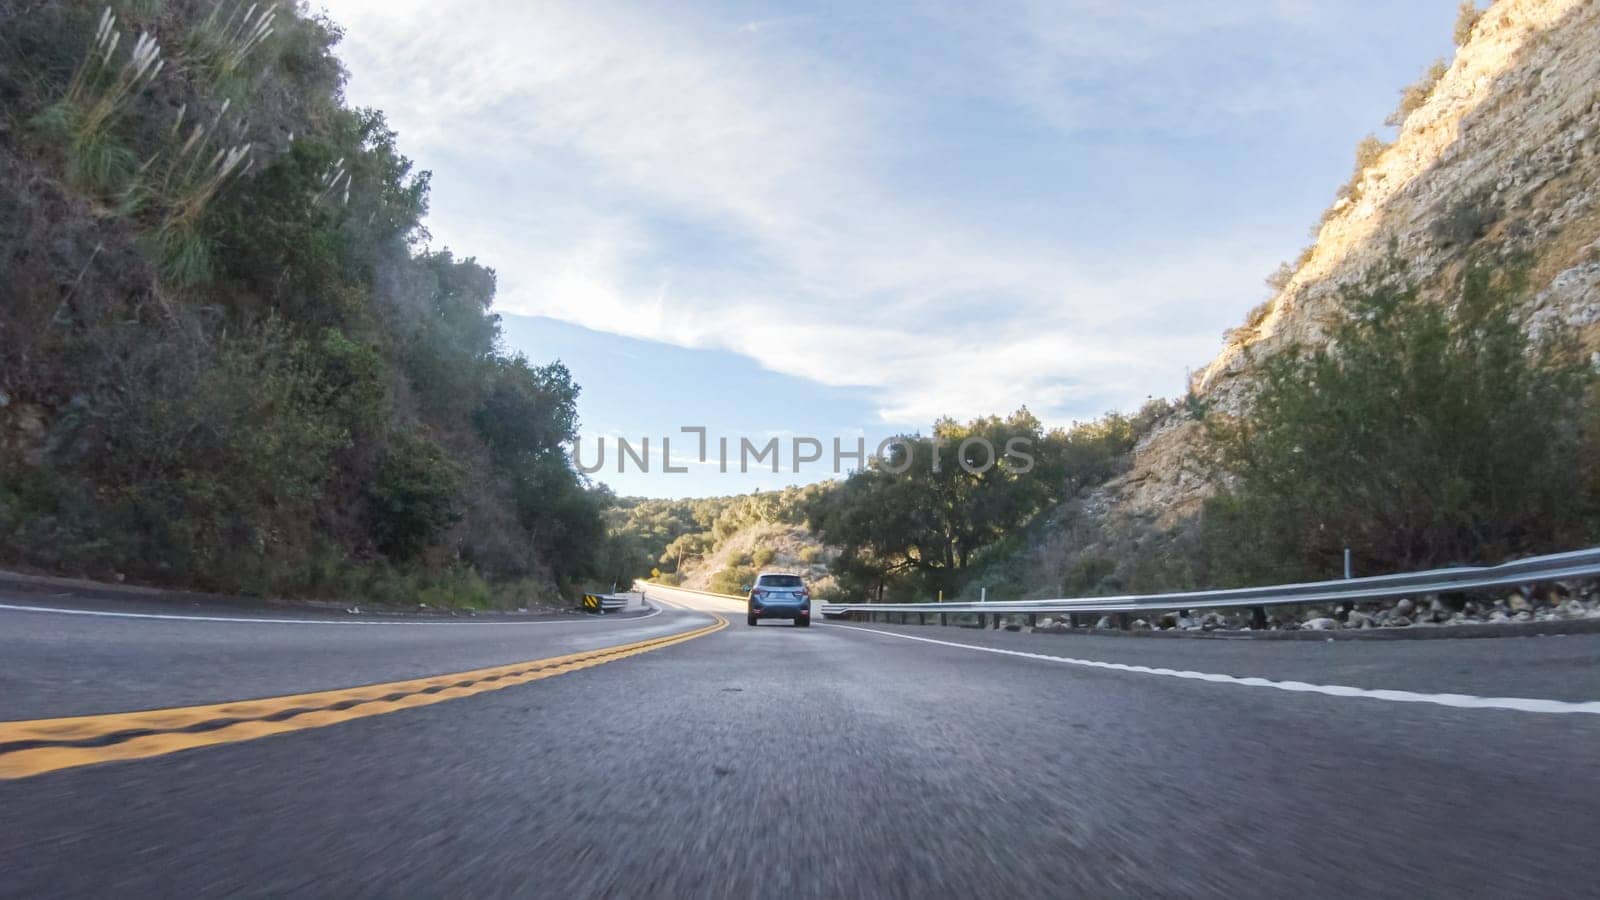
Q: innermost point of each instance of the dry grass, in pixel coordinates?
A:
(96, 97)
(222, 43)
(181, 182)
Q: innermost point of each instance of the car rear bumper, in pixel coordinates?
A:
(781, 611)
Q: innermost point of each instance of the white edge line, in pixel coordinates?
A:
(255, 621)
(1457, 701)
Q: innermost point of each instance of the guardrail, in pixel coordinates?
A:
(1532, 570)
(604, 603)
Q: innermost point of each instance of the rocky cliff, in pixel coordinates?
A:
(1500, 161)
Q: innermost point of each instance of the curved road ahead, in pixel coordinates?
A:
(664, 756)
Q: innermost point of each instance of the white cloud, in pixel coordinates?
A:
(681, 178)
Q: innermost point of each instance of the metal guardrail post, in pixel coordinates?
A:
(1343, 613)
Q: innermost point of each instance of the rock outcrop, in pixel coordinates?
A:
(1501, 161)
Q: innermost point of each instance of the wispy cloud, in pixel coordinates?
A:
(723, 183)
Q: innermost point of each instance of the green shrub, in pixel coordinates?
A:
(412, 495)
(247, 413)
(526, 410)
(271, 233)
(304, 47)
(917, 532)
(269, 405)
(1422, 434)
(455, 587)
(732, 580)
(51, 520)
(351, 375)
(1091, 575)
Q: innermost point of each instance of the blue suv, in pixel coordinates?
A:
(777, 596)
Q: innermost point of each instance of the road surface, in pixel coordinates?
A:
(775, 761)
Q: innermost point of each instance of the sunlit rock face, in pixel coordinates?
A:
(1502, 161)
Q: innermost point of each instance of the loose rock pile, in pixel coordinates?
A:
(1558, 602)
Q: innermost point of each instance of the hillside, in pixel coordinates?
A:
(717, 543)
(1497, 161)
(230, 357)
(758, 547)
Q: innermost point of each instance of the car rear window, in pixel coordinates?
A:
(781, 581)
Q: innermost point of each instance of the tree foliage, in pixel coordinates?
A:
(918, 531)
(323, 405)
(667, 535)
(1423, 433)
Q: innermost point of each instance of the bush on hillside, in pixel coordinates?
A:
(412, 496)
(229, 359)
(1413, 95)
(1467, 17)
(1422, 434)
(732, 580)
(1090, 576)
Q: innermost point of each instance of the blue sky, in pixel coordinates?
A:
(848, 219)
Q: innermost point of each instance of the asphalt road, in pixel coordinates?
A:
(830, 761)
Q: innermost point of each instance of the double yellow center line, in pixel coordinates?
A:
(47, 745)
